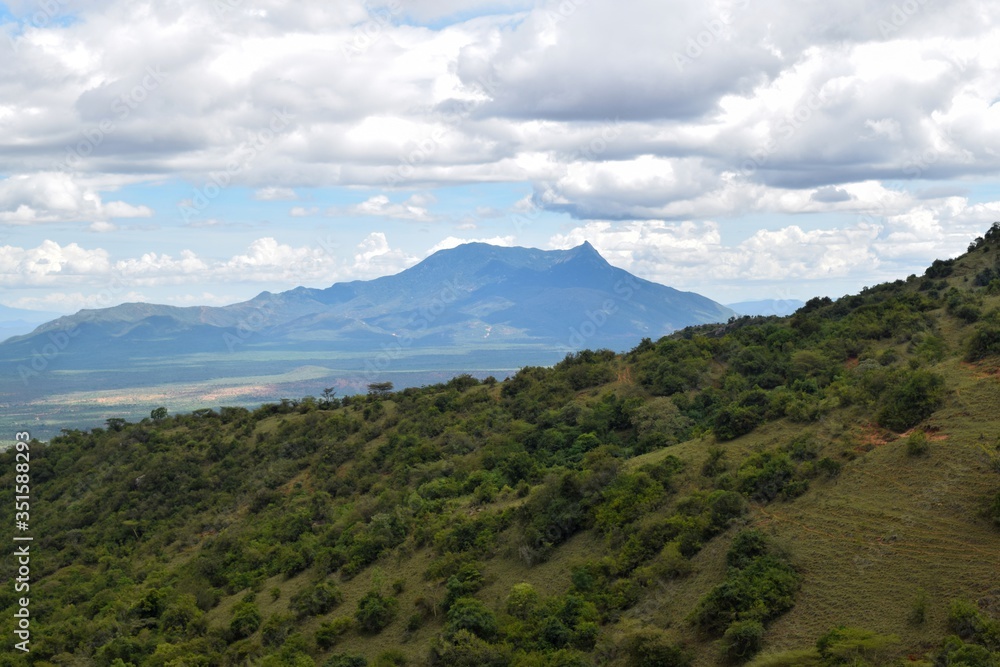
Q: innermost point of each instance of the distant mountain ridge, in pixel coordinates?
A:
(454, 296)
(18, 321)
(779, 307)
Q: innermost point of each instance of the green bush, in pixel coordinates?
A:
(743, 640)
(958, 653)
(653, 650)
(330, 632)
(316, 600)
(345, 660)
(391, 658)
(464, 649)
(246, 619)
(985, 341)
(910, 399)
(969, 623)
(275, 630)
(472, 615)
(850, 646)
(764, 476)
(917, 444)
(375, 612)
(747, 546)
(522, 601)
(759, 586)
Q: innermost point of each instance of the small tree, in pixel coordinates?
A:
(115, 423)
(158, 414)
(379, 388)
(375, 611)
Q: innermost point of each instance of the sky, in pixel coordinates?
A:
(199, 152)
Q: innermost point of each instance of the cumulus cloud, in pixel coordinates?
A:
(275, 194)
(885, 244)
(413, 208)
(374, 257)
(874, 115)
(58, 197)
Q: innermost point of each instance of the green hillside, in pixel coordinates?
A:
(821, 489)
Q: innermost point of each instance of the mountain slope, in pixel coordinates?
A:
(720, 495)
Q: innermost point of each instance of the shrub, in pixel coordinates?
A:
(917, 444)
(651, 650)
(523, 601)
(464, 649)
(316, 600)
(758, 587)
(958, 653)
(345, 660)
(391, 658)
(246, 620)
(850, 646)
(742, 640)
(912, 398)
(985, 341)
(275, 630)
(330, 632)
(966, 621)
(747, 546)
(764, 476)
(375, 611)
(472, 615)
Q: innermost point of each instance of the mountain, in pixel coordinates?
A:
(818, 490)
(17, 321)
(566, 299)
(476, 307)
(779, 307)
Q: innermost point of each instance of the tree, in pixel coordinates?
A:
(158, 414)
(328, 396)
(115, 423)
(379, 388)
(375, 611)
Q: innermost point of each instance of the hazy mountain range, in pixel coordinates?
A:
(465, 296)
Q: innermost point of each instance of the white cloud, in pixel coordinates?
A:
(690, 255)
(58, 197)
(413, 208)
(686, 112)
(374, 257)
(275, 194)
